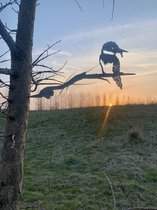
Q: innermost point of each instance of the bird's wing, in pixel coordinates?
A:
(116, 71)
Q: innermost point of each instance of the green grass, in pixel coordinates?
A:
(66, 159)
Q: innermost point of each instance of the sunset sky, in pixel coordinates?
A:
(133, 27)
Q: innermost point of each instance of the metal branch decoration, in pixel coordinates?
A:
(108, 55)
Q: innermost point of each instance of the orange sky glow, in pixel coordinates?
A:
(133, 28)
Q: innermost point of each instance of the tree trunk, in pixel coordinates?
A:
(11, 173)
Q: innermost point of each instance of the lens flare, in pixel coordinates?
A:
(104, 123)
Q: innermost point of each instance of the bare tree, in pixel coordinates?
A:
(11, 174)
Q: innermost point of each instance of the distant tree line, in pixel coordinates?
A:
(80, 100)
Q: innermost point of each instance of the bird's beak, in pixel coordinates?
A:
(121, 51)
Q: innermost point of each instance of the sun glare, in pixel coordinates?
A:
(104, 123)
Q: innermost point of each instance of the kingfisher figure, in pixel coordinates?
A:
(108, 55)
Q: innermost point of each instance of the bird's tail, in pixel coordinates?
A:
(116, 72)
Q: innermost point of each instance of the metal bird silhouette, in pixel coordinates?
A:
(47, 92)
(108, 55)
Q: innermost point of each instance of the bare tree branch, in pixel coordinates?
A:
(51, 70)
(3, 96)
(16, 11)
(40, 76)
(4, 53)
(78, 5)
(40, 58)
(10, 30)
(5, 60)
(3, 6)
(113, 9)
(103, 3)
(46, 56)
(5, 71)
(7, 38)
(3, 105)
(3, 84)
(48, 78)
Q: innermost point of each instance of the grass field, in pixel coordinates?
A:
(72, 162)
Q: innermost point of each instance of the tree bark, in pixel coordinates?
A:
(11, 172)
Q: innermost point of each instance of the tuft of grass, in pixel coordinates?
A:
(135, 135)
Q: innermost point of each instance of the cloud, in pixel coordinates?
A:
(82, 49)
(138, 35)
(138, 38)
(82, 52)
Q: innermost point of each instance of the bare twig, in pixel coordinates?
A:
(5, 61)
(39, 76)
(4, 53)
(51, 70)
(46, 56)
(78, 5)
(103, 3)
(4, 84)
(16, 11)
(40, 58)
(4, 103)
(10, 30)
(3, 96)
(113, 5)
(3, 6)
(48, 79)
